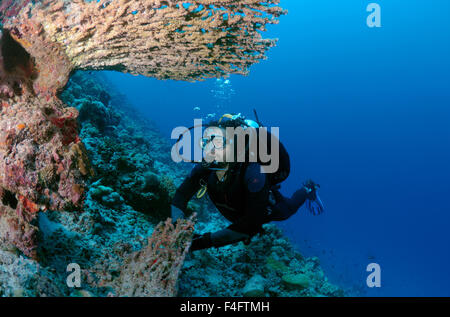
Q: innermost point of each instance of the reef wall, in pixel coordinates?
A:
(119, 244)
(43, 161)
(115, 240)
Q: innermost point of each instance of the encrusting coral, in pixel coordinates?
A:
(153, 271)
(107, 232)
(43, 162)
(108, 238)
(162, 39)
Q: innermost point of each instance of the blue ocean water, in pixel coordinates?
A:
(365, 113)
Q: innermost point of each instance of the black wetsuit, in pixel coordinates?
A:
(245, 197)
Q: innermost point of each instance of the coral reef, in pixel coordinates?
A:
(108, 238)
(153, 271)
(268, 267)
(130, 164)
(94, 202)
(10, 8)
(107, 233)
(162, 39)
(21, 277)
(43, 162)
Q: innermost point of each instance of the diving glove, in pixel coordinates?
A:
(313, 203)
(201, 242)
(218, 239)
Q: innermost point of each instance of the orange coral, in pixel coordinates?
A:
(162, 39)
(28, 205)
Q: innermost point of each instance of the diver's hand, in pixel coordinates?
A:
(176, 213)
(313, 203)
(201, 242)
(311, 189)
(218, 239)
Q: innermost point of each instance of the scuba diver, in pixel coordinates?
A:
(240, 190)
